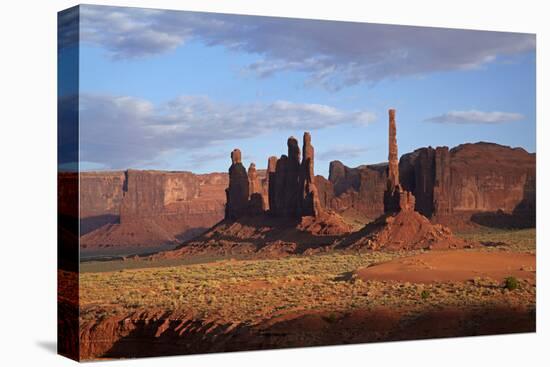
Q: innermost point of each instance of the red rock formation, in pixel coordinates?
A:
(393, 158)
(181, 332)
(404, 230)
(292, 188)
(481, 183)
(145, 209)
(395, 198)
(292, 195)
(310, 204)
(271, 182)
(401, 227)
(359, 190)
(326, 191)
(391, 195)
(238, 190)
(253, 180)
(256, 203)
(100, 198)
(406, 200)
(417, 176)
(442, 182)
(153, 194)
(487, 183)
(294, 204)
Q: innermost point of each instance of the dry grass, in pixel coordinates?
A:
(255, 290)
(523, 240)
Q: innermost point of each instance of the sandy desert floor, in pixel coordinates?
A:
(139, 308)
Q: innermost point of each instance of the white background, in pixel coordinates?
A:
(28, 183)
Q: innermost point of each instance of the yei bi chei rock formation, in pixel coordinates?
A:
(291, 190)
(287, 193)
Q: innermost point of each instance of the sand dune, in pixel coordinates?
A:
(452, 266)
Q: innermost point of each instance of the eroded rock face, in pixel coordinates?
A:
(482, 183)
(417, 176)
(100, 198)
(442, 182)
(492, 179)
(147, 208)
(359, 189)
(179, 332)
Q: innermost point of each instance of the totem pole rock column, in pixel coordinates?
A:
(395, 198)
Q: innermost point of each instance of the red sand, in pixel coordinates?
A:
(452, 266)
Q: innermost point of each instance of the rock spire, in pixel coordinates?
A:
(395, 198)
(238, 191)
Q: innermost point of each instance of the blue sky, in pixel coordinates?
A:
(179, 90)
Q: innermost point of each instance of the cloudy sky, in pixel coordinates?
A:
(179, 90)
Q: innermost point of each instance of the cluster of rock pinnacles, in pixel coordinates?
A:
(291, 190)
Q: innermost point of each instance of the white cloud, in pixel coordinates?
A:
(199, 159)
(123, 131)
(341, 152)
(332, 54)
(476, 117)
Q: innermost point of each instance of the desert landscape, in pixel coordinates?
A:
(437, 243)
(232, 182)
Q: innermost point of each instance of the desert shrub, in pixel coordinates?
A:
(511, 283)
(332, 317)
(425, 294)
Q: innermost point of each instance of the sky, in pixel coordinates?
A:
(179, 90)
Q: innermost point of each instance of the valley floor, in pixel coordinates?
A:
(137, 307)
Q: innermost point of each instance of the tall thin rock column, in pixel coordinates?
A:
(395, 198)
(393, 157)
(310, 204)
(256, 201)
(277, 201)
(291, 189)
(253, 182)
(271, 182)
(238, 191)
